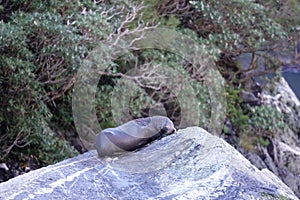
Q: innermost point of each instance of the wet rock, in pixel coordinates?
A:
(249, 98)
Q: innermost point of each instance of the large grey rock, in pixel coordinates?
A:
(190, 164)
(285, 148)
(284, 100)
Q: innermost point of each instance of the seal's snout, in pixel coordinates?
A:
(169, 128)
(171, 132)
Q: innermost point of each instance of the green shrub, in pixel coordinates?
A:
(235, 26)
(41, 46)
(267, 118)
(236, 113)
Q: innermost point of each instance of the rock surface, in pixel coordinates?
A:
(190, 164)
(282, 156)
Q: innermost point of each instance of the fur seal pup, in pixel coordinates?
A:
(132, 135)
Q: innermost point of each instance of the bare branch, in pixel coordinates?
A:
(17, 142)
(123, 31)
(148, 76)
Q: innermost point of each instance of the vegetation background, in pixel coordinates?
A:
(43, 44)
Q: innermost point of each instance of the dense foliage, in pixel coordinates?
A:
(41, 48)
(43, 44)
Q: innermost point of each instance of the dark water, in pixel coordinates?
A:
(293, 80)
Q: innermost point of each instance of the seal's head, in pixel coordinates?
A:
(164, 126)
(168, 127)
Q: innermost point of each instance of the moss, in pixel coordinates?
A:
(263, 141)
(236, 113)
